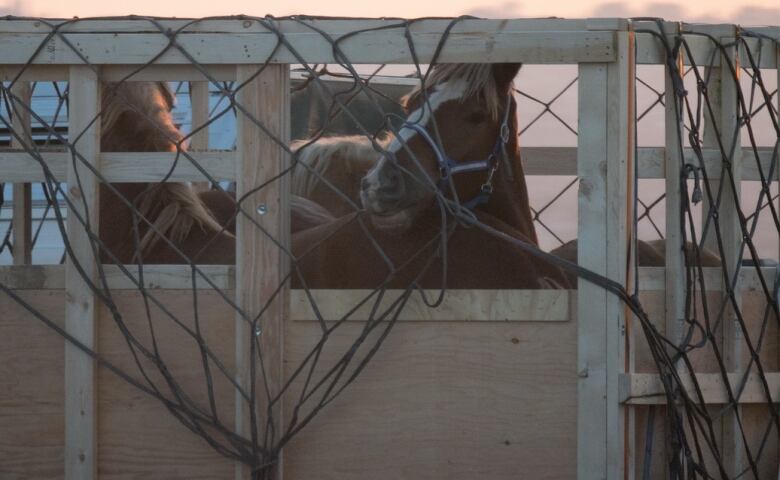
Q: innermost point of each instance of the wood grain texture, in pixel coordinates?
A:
(734, 349)
(378, 46)
(32, 417)
(455, 401)
(464, 305)
(22, 193)
(260, 264)
(139, 438)
(80, 309)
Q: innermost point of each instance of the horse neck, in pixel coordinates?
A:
(509, 202)
(116, 218)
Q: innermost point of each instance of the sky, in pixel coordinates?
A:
(750, 12)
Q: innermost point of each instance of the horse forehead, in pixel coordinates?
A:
(441, 94)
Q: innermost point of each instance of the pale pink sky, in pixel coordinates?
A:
(751, 12)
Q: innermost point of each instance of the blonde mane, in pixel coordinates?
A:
(135, 117)
(348, 152)
(479, 78)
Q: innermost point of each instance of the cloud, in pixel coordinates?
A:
(746, 15)
(655, 9)
(508, 9)
(12, 8)
(757, 16)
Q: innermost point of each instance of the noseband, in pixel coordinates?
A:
(448, 167)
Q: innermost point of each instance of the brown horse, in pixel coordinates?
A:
(649, 254)
(175, 223)
(470, 111)
(328, 171)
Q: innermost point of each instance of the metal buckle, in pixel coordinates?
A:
(504, 133)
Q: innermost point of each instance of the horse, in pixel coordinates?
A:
(172, 224)
(407, 232)
(390, 184)
(197, 226)
(328, 171)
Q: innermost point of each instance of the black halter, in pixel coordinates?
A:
(449, 167)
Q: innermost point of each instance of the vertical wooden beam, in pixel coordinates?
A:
(605, 163)
(22, 193)
(199, 104)
(260, 265)
(710, 141)
(733, 341)
(777, 167)
(80, 309)
(675, 256)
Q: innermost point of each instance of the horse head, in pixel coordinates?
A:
(459, 139)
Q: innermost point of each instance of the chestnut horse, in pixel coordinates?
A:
(175, 223)
(392, 199)
(457, 151)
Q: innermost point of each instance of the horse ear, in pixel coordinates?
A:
(504, 73)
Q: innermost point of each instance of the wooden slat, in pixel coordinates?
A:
(604, 166)
(463, 305)
(621, 77)
(675, 294)
(153, 166)
(260, 264)
(728, 216)
(22, 193)
(80, 310)
(777, 100)
(331, 26)
(712, 117)
(199, 101)
(132, 167)
(651, 52)
(647, 388)
(199, 106)
(378, 46)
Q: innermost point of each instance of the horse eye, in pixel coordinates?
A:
(476, 117)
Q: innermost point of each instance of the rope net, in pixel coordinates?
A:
(368, 103)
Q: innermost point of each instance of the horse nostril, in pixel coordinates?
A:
(391, 185)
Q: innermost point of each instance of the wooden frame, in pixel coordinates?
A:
(609, 389)
(81, 310)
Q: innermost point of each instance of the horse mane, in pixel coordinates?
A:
(346, 151)
(478, 77)
(135, 117)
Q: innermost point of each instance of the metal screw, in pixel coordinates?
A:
(262, 209)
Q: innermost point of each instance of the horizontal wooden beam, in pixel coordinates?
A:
(654, 278)
(124, 167)
(459, 305)
(650, 161)
(171, 277)
(302, 25)
(647, 388)
(375, 46)
(43, 277)
(16, 166)
(468, 305)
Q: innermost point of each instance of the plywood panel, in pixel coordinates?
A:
(443, 400)
(32, 428)
(139, 438)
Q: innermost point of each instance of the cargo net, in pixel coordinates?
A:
(377, 204)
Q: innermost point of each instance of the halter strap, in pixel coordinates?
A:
(449, 167)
